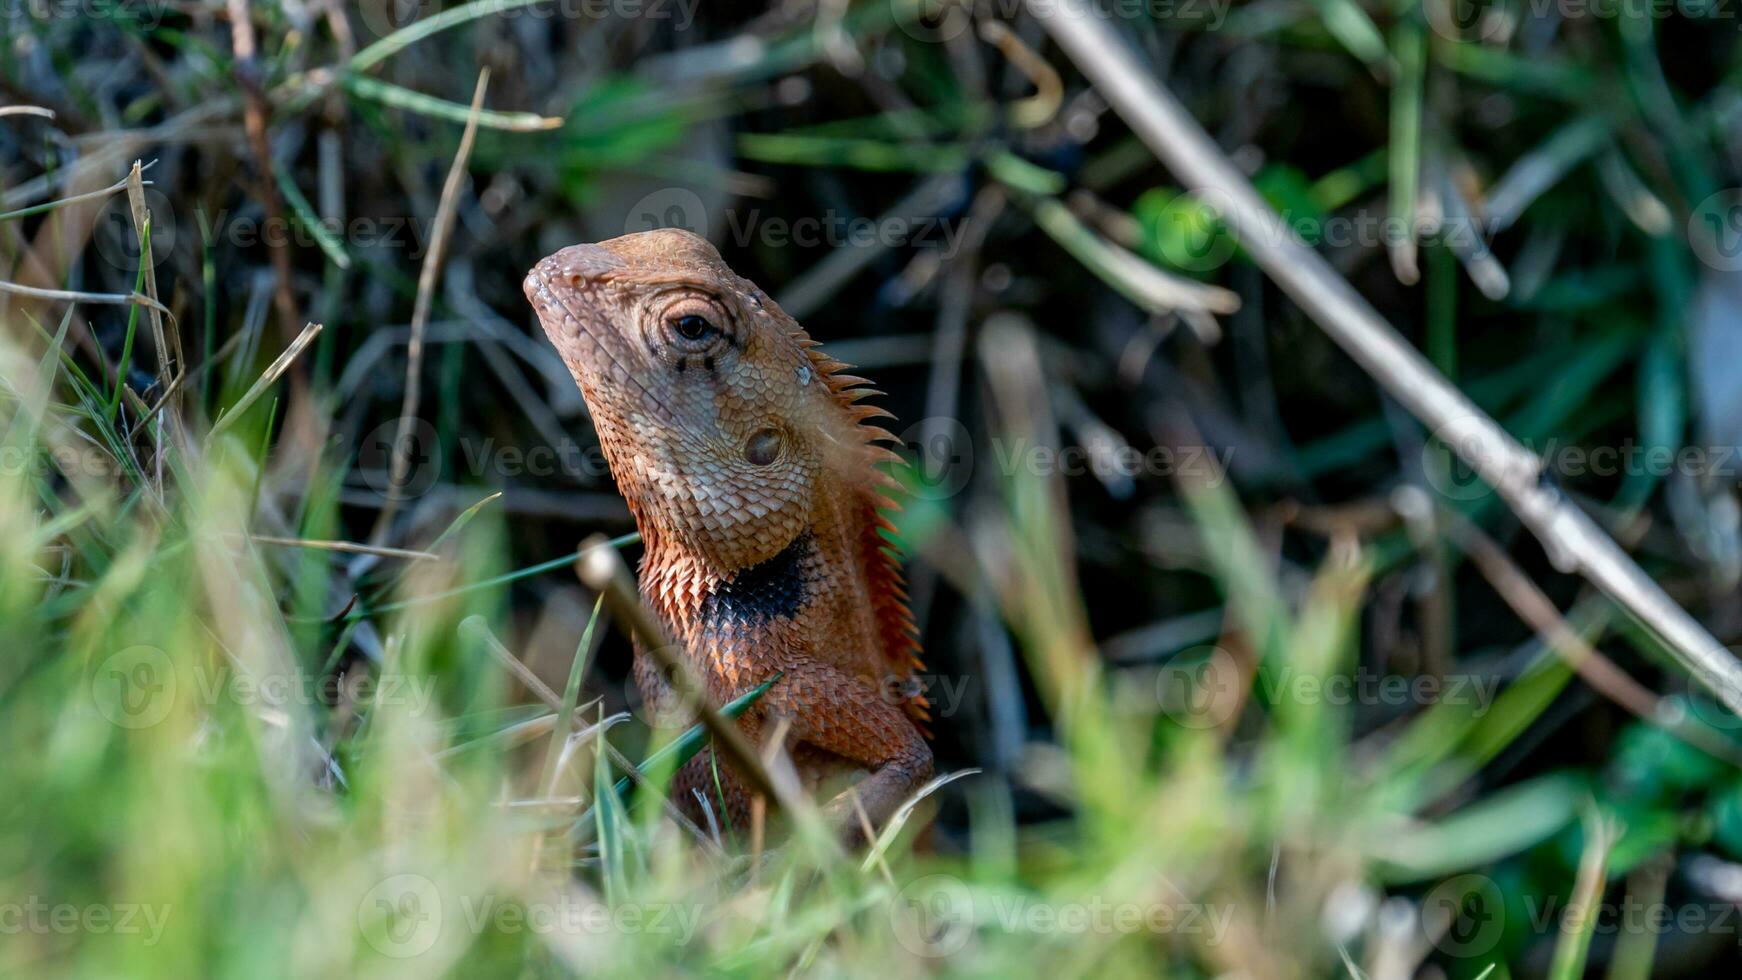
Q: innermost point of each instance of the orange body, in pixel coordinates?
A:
(751, 468)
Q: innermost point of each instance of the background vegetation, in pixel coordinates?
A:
(1254, 681)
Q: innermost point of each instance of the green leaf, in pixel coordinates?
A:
(1652, 764)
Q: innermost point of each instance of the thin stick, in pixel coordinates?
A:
(248, 75)
(601, 569)
(1573, 540)
(346, 546)
(1538, 612)
(426, 283)
(169, 392)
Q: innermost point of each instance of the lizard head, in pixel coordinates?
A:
(716, 416)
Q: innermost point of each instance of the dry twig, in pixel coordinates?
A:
(1574, 541)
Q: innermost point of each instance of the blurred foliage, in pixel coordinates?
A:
(1263, 721)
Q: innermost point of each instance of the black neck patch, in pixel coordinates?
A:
(770, 589)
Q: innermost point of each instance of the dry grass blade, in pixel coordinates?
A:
(121, 184)
(74, 296)
(899, 818)
(477, 626)
(141, 221)
(426, 283)
(270, 376)
(350, 547)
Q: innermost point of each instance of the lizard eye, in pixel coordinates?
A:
(693, 327)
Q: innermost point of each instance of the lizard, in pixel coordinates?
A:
(752, 467)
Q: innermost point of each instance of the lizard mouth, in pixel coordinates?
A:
(571, 270)
(589, 345)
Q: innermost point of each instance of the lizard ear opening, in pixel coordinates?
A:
(763, 447)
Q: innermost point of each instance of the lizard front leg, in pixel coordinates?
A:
(826, 710)
(835, 712)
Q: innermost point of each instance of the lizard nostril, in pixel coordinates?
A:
(762, 447)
